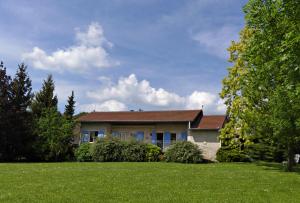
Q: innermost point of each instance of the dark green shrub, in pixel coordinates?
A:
(83, 152)
(183, 152)
(134, 151)
(226, 154)
(153, 152)
(105, 150)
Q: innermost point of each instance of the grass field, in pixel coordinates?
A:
(146, 182)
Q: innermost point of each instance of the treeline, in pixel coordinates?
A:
(31, 127)
(262, 89)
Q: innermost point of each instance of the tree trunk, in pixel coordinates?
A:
(291, 158)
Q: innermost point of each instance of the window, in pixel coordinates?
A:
(173, 138)
(93, 136)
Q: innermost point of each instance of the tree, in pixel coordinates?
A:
(55, 135)
(21, 120)
(234, 134)
(44, 99)
(70, 107)
(5, 114)
(273, 80)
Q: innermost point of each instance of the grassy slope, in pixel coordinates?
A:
(141, 182)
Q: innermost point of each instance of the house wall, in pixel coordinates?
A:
(207, 140)
(130, 128)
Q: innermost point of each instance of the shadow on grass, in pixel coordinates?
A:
(278, 167)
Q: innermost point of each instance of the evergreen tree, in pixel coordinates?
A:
(45, 98)
(70, 107)
(5, 115)
(21, 96)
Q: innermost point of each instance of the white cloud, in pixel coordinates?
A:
(217, 41)
(88, 52)
(109, 105)
(129, 91)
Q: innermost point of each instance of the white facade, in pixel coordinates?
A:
(207, 140)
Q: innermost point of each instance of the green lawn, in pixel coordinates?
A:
(146, 182)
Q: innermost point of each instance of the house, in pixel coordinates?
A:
(161, 128)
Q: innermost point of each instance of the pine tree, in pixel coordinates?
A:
(44, 99)
(5, 114)
(70, 107)
(21, 96)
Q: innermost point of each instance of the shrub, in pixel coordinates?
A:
(134, 151)
(183, 152)
(153, 152)
(83, 152)
(265, 152)
(226, 154)
(107, 150)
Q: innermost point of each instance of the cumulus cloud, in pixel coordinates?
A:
(217, 41)
(90, 51)
(130, 91)
(109, 105)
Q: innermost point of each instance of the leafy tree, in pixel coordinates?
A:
(234, 134)
(70, 107)
(262, 90)
(21, 120)
(5, 114)
(273, 88)
(44, 99)
(55, 135)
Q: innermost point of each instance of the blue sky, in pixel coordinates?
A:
(124, 54)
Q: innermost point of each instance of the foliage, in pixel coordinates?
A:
(273, 87)
(45, 98)
(153, 152)
(84, 152)
(133, 151)
(54, 136)
(5, 114)
(105, 150)
(234, 134)
(15, 121)
(70, 107)
(183, 152)
(263, 94)
(265, 152)
(227, 154)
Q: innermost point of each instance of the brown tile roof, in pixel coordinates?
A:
(141, 116)
(211, 122)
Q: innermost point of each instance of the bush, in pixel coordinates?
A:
(83, 152)
(183, 152)
(153, 152)
(134, 151)
(265, 152)
(226, 154)
(107, 150)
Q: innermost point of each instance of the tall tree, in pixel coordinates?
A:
(5, 114)
(234, 134)
(21, 96)
(70, 107)
(273, 90)
(45, 98)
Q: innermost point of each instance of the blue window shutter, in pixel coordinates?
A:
(85, 136)
(183, 136)
(153, 137)
(140, 136)
(101, 133)
(167, 139)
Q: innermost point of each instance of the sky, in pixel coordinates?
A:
(120, 55)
